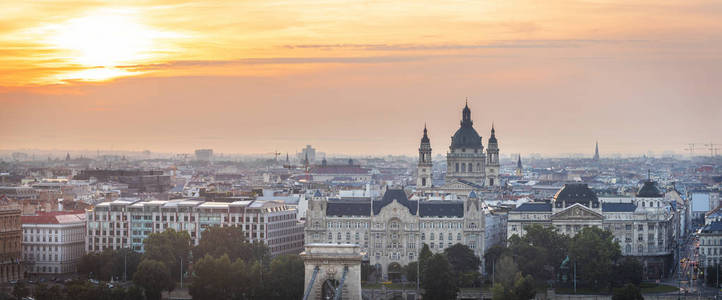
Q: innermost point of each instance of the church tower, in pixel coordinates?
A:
(492, 160)
(596, 152)
(423, 180)
(466, 160)
(519, 169)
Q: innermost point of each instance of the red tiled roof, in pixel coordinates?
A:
(54, 217)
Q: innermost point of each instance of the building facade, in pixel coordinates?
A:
(123, 224)
(466, 160)
(391, 230)
(710, 244)
(468, 167)
(643, 225)
(53, 243)
(11, 264)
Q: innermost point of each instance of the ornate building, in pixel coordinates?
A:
(11, 264)
(468, 168)
(642, 225)
(392, 230)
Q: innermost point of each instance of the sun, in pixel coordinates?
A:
(105, 39)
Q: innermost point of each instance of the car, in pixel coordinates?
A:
(110, 285)
(14, 281)
(31, 281)
(93, 281)
(69, 280)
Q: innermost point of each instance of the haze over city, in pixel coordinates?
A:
(359, 77)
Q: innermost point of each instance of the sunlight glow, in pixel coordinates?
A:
(102, 41)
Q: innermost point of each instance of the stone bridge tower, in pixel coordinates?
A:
(332, 270)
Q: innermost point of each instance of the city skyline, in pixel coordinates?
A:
(360, 78)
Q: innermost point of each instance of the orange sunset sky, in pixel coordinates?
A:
(359, 77)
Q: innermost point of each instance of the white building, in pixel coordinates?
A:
(53, 242)
(392, 230)
(644, 225)
(710, 244)
(124, 224)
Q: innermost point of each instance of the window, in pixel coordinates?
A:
(458, 236)
(640, 227)
(457, 167)
(431, 236)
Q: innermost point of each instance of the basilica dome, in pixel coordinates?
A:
(466, 136)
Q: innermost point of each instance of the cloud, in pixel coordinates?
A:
(529, 43)
(273, 61)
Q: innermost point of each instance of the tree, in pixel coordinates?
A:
(465, 265)
(462, 258)
(169, 247)
(542, 249)
(109, 263)
(286, 278)
(438, 280)
(594, 251)
(628, 270)
(43, 292)
(154, 277)
(213, 278)
(506, 271)
(216, 241)
(424, 256)
(628, 292)
(412, 271)
(520, 288)
(20, 290)
(493, 255)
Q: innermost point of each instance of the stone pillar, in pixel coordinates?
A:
(332, 260)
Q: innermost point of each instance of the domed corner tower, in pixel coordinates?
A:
(492, 160)
(423, 180)
(466, 159)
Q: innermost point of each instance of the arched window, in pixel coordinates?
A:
(457, 167)
(441, 236)
(348, 235)
(330, 236)
(643, 204)
(431, 236)
(463, 167)
(628, 249)
(423, 236)
(470, 168)
(458, 236)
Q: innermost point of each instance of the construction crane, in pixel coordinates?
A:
(690, 148)
(713, 148)
(275, 154)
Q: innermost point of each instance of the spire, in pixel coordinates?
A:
(518, 162)
(425, 138)
(466, 115)
(492, 138)
(596, 151)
